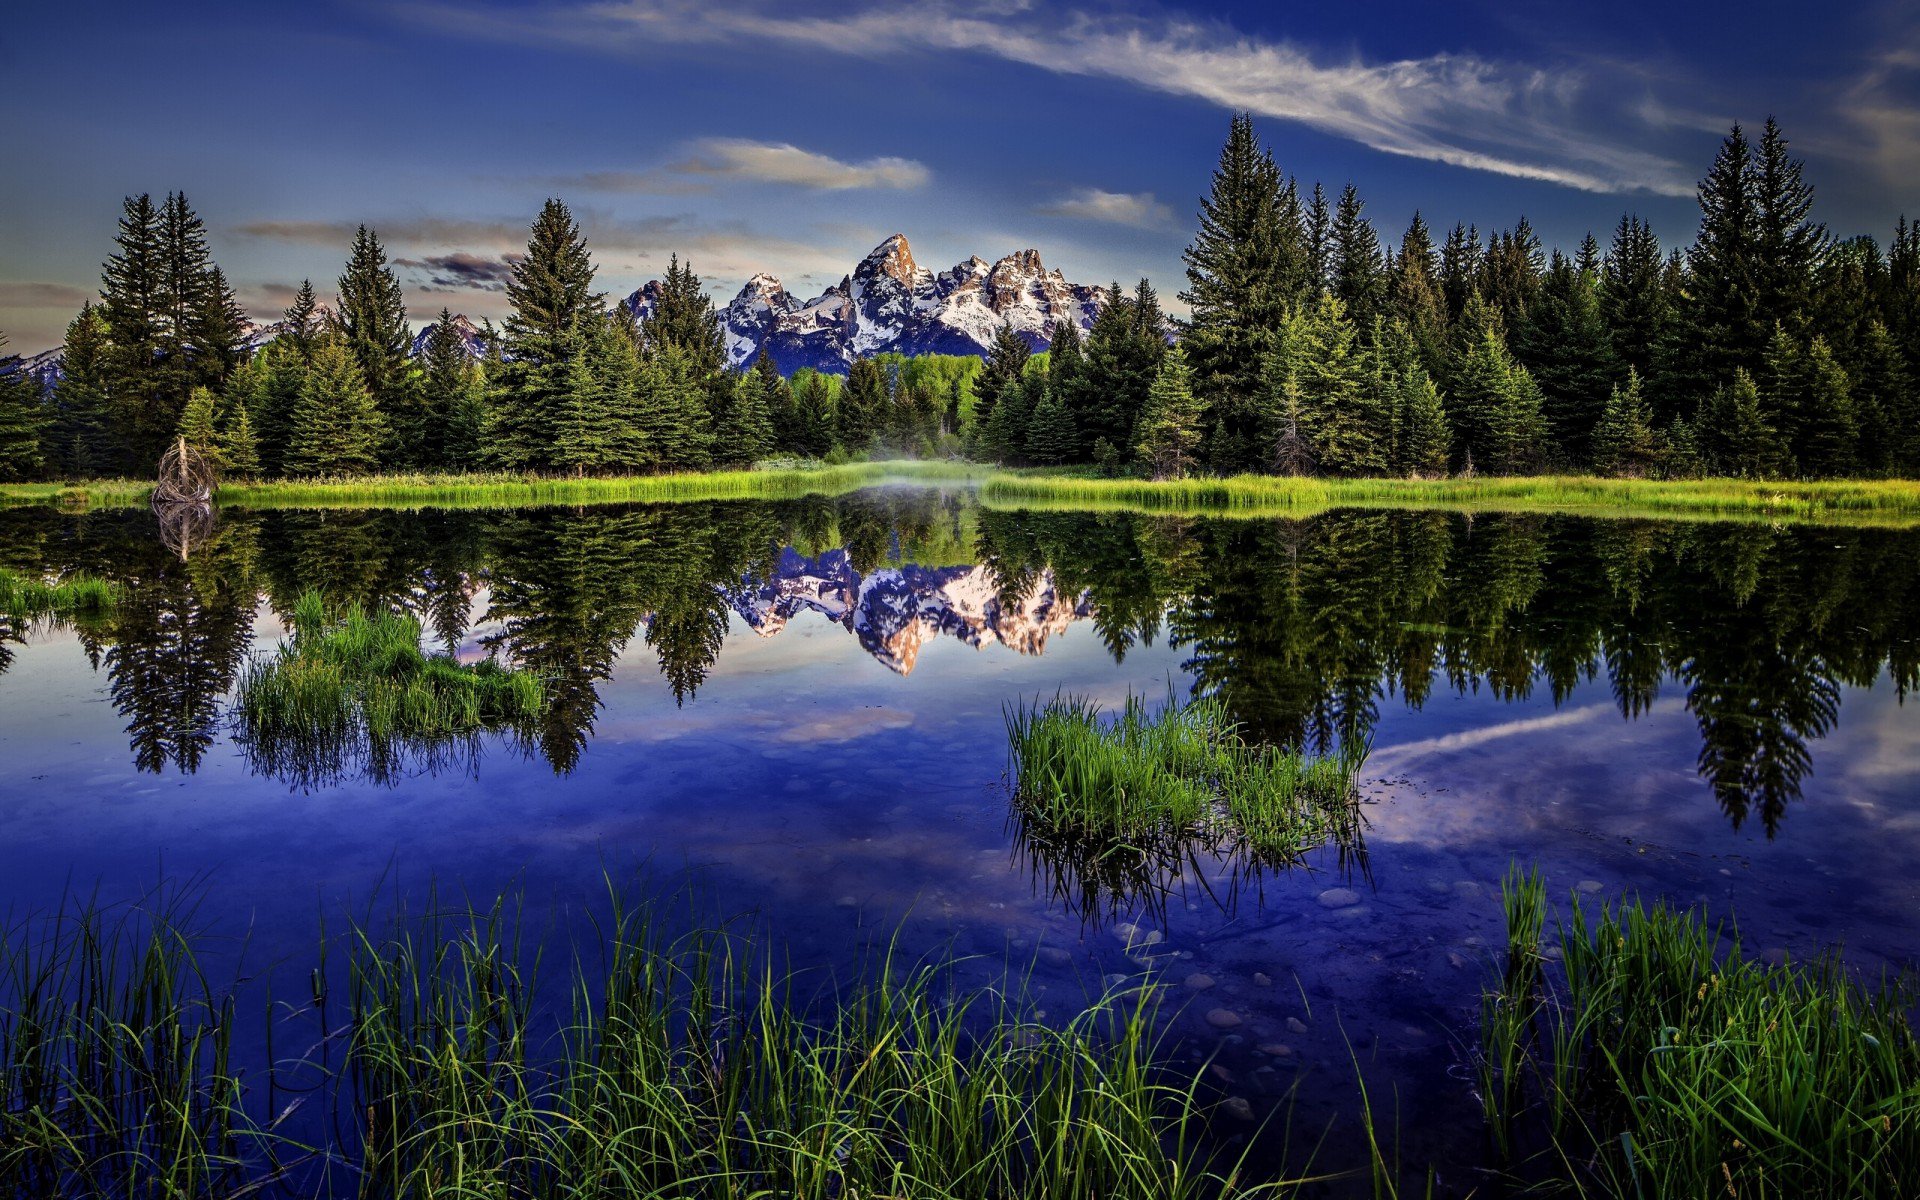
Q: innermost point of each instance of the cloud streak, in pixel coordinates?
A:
(782, 162)
(1458, 109)
(1141, 210)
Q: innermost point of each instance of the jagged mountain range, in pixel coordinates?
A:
(896, 611)
(890, 303)
(887, 303)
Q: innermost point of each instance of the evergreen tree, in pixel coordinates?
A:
(1319, 225)
(1050, 433)
(447, 392)
(1633, 298)
(1067, 382)
(1719, 327)
(131, 288)
(1565, 346)
(239, 450)
(301, 322)
(197, 424)
(1426, 441)
(684, 317)
(186, 285)
(1292, 451)
(814, 420)
(337, 429)
(373, 319)
(1460, 269)
(862, 401)
(1493, 404)
(554, 318)
(1787, 244)
(1355, 260)
(1170, 423)
(1829, 440)
(1006, 433)
(79, 444)
(23, 419)
(269, 388)
(1124, 351)
(1247, 261)
(1344, 420)
(1623, 442)
(1414, 297)
(1889, 408)
(748, 436)
(1785, 392)
(671, 411)
(1002, 376)
(1738, 440)
(220, 336)
(1510, 274)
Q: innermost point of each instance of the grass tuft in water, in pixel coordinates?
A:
(1667, 1063)
(351, 685)
(30, 598)
(1157, 780)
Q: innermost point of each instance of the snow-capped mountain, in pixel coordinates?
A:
(895, 611)
(891, 303)
(469, 337)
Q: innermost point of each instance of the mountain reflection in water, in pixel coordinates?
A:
(1302, 627)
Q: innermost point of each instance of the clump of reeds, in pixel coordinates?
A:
(1664, 1062)
(31, 598)
(686, 1066)
(1154, 779)
(116, 1076)
(351, 685)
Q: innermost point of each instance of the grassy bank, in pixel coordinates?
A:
(31, 598)
(94, 493)
(511, 491)
(1659, 1060)
(1860, 502)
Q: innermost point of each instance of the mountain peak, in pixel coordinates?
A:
(893, 258)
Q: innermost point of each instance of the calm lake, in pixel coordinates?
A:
(796, 709)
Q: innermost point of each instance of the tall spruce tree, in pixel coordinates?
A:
(1124, 351)
(1623, 441)
(448, 390)
(1413, 294)
(1633, 296)
(1051, 437)
(1460, 262)
(373, 318)
(1510, 273)
(141, 415)
(1564, 344)
(1170, 423)
(748, 435)
(239, 449)
(684, 316)
(1357, 280)
(79, 440)
(336, 429)
(1739, 441)
(1787, 243)
(1343, 419)
(1067, 382)
(555, 313)
(1001, 377)
(1829, 444)
(863, 400)
(302, 321)
(1246, 263)
(1719, 325)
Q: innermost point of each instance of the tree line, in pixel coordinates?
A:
(1766, 348)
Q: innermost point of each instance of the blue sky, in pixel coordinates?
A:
(792, 137)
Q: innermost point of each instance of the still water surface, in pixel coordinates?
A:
(796, 709)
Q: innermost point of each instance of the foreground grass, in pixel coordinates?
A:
(684, 1067)
(351, 687)
(31, 598)
(1666, 1063)
(94, 493)
(1860, 502)
(1184, 772)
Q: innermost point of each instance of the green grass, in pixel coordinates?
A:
(1185, 772)
(507, 491)
(353, 686)
(1664, 1062)
(93, 493)
(1860, 502)
(684, 1067)
(30, 598)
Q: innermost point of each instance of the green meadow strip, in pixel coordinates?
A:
(510, 491)
(95, 493)
(1662, 1061)
(1892, 503)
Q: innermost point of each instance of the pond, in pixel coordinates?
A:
(797, 709)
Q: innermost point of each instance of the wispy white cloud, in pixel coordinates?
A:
(1138, 209)
(782, 162)
(1513, 120)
